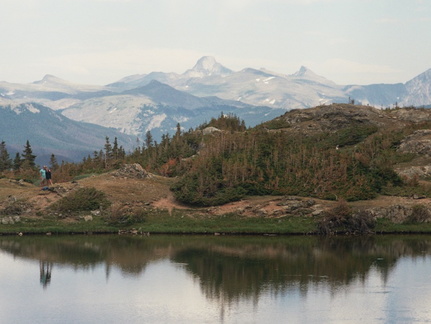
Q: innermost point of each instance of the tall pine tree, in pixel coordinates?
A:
(28, 157)
(17, 162)
(53, 162)
(5, 161)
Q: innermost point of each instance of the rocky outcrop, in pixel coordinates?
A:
(401, 213)
(396, 209)
(335, 117)
(413, 115)
(10, 220)
(210, 130)
(419, 143)
(134, 171)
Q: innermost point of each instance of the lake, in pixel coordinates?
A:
(215, 279)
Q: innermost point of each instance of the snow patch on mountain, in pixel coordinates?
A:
(22, 108)
(117, 112)
(32, 109)
(158, 100)
(156, 121)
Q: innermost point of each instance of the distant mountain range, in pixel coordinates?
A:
(49, 132)
(303, 89)
(158, 101)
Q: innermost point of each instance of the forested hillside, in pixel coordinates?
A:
(333, 152)
(330, 152)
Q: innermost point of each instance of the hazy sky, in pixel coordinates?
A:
(101, 41)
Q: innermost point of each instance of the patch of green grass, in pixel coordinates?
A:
(54, 226)
(385, 226)
(180, 222)
(185, 222)
(407, 191)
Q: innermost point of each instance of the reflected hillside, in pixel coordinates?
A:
(232, 268)
(130, 254)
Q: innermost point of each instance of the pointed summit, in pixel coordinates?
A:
(303, 72)
(307, 75)
(207, 66)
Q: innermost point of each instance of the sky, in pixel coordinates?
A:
(101, 41)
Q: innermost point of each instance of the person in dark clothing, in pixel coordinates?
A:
(48, 176)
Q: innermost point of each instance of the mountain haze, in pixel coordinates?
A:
(158, 101)
(49, 132)
(158, 108)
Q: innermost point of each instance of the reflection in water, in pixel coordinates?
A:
(229, 270)
(234, 266)
(45, 268)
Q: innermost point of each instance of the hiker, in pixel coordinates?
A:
(48, 176)
(42, 172)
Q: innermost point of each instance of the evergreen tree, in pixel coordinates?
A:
(17, 162)
(178, 132)
(53, 162)
(148, 139)
(5, 161)
(108, 148)
(108, 152)
(115, 149)
(28, 157)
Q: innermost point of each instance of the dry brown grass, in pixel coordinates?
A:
(154, 192)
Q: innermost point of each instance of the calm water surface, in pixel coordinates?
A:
(175, 279)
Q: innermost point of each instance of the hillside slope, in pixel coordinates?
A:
(333, 153)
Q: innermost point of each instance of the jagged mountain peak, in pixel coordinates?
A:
(207, 66)
(206, 63)
(304, 72)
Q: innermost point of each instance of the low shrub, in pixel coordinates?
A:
(342, 220)
(16, 207)
(124, 215)
(83, 199)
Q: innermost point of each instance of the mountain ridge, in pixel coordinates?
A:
(158, 101)
(50, 132)
(302, 89)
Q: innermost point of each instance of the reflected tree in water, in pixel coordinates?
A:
(230, 269)
(45, 268)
